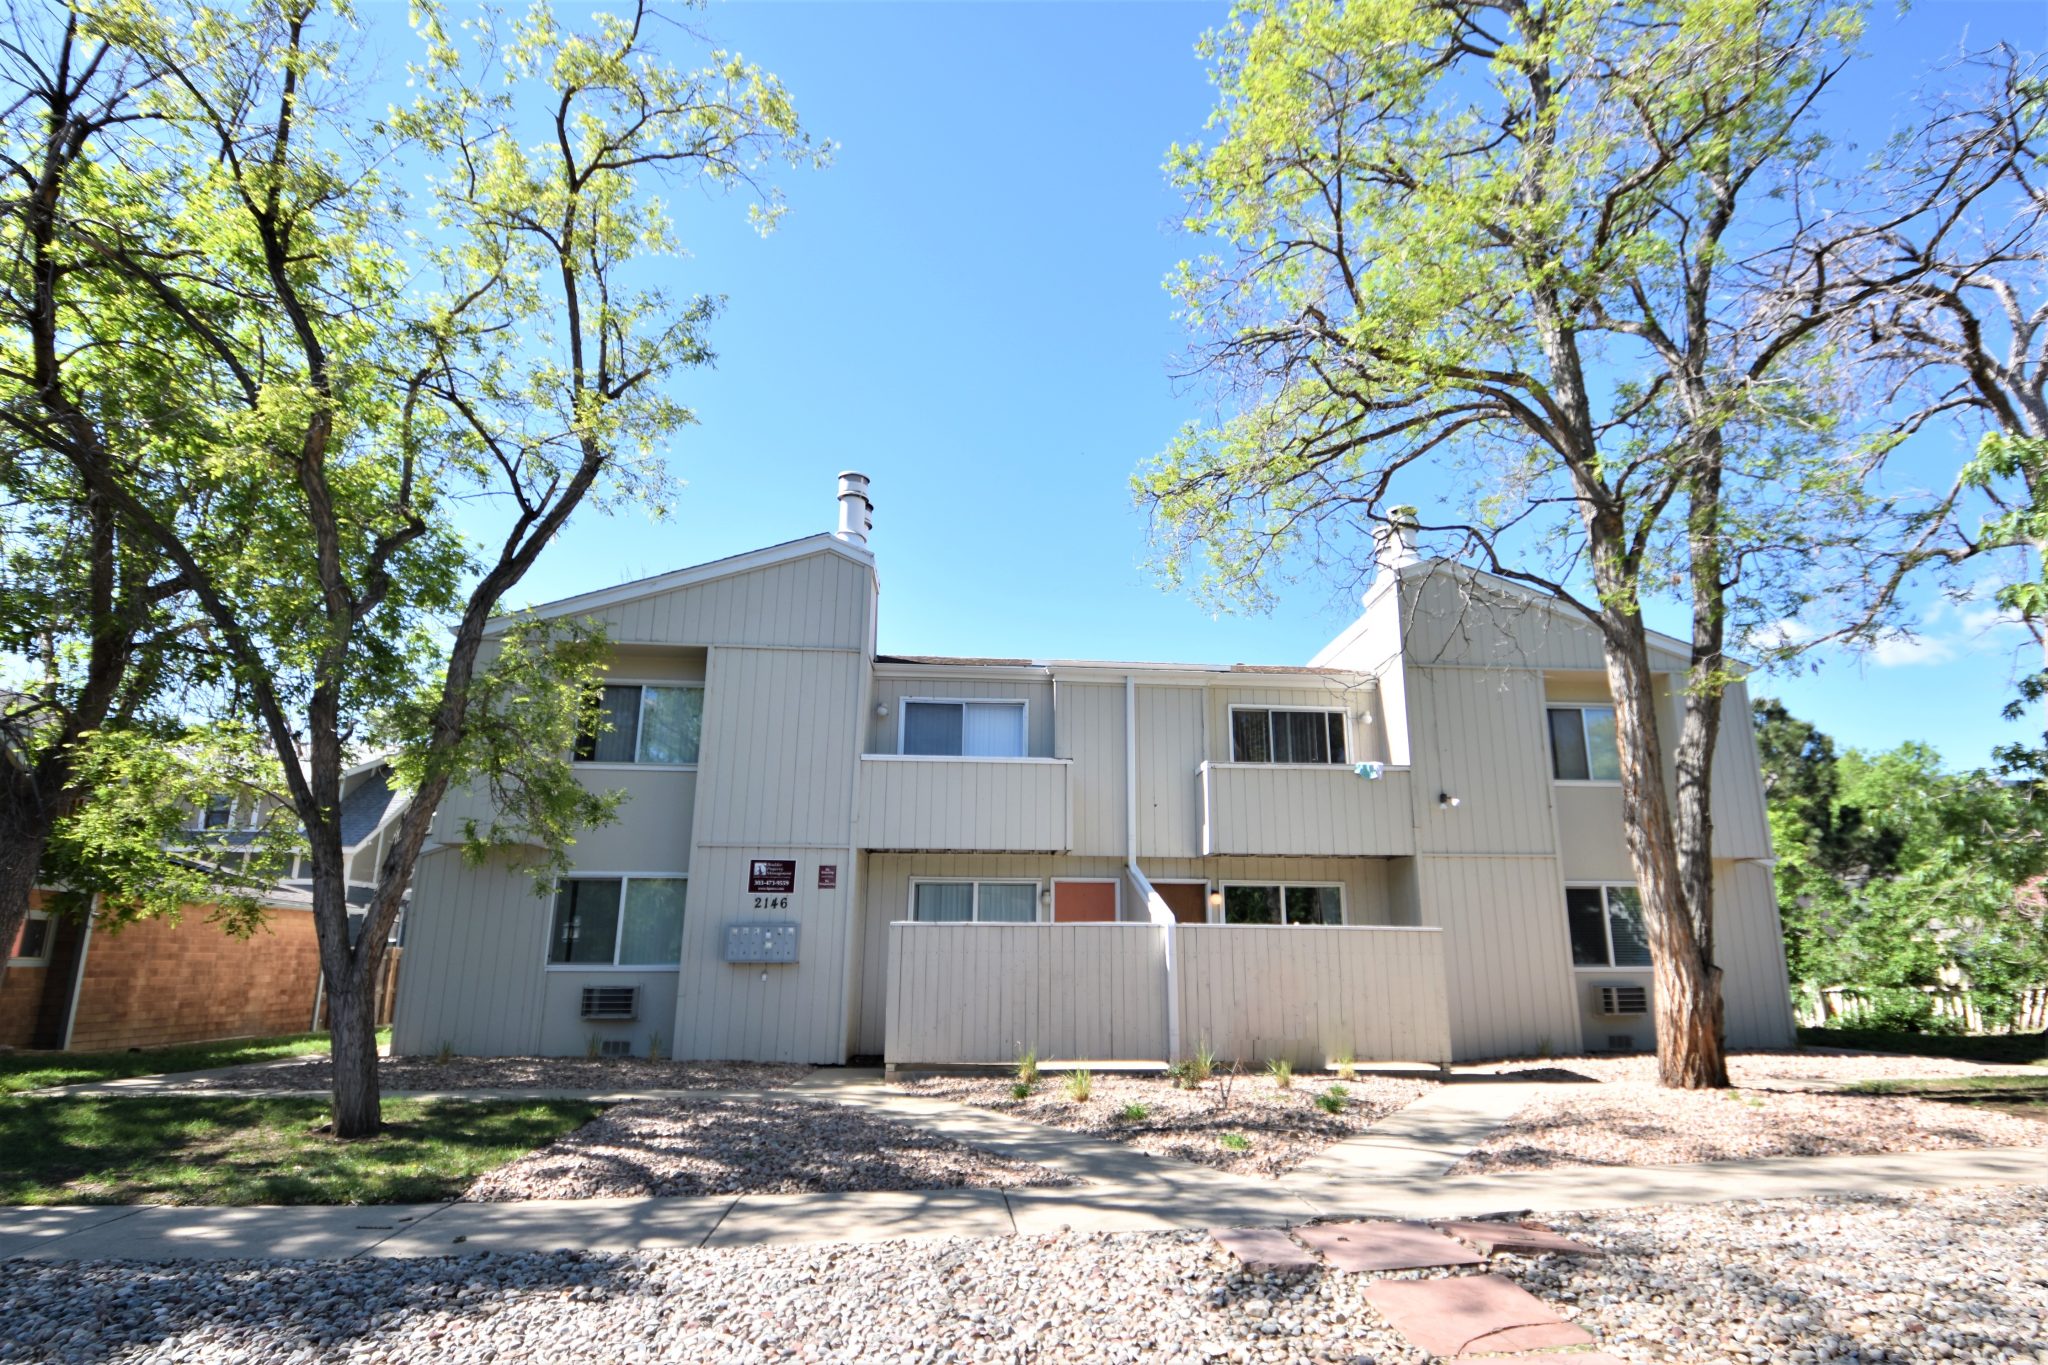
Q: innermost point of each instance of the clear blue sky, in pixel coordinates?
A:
(967, 306)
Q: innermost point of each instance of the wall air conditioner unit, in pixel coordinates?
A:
(1620, 1001)
(611, 1002)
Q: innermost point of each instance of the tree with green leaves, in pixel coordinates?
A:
(1896, 873)
(1529, 250)
(509, 347)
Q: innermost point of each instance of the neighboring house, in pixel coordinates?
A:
(1410, 847)
(89, 986)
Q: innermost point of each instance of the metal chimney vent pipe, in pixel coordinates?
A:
(856, 513)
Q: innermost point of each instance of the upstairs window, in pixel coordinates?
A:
(1286, 735)
(964, 729)
(1582, 747)
(1255, 904)
(644, 724)
(617, 922)
(219, 813)
(1607, 926)
(32, 941)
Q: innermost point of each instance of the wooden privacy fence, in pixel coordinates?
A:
(984, 993)
(1819, 1006)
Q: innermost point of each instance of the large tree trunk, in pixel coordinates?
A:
(1690, 1054)
(352, 1025)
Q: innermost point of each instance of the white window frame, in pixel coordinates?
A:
(640, 723)
(1606, 925)
(1116, 883)
(49, 936)
(1230, 738)
(579, 875)
(1216, 912)
(1040, 909)
(903, 705)
(1550, 748)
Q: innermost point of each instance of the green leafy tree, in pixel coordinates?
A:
(1532, 250)
(510, 347)
(1897, 873)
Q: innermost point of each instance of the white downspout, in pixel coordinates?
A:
(78, 977)
(1156, 908)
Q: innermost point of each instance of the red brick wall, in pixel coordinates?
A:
(21, 995)
(155, 983)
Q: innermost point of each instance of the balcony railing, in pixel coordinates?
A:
(933, 805)
(1305, 810)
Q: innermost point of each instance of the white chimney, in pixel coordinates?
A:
(856, 513)
(1393, 544)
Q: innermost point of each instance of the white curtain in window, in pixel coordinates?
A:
(652, 935)
(943, 902)
(1008, 903)
(670, 722)
(993, 730)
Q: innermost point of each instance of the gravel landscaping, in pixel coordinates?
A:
(518, 1073)
(692, 1147)
(1280, 1128)
(1801, 1070)
(1953, 1276)
(1783, 1105)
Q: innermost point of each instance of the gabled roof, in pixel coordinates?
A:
(766, 557)
(1536, 596)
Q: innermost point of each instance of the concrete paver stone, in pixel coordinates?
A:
(1468, 1314)
(1365, 1247)
(1264, 1251)
(1518, 1238)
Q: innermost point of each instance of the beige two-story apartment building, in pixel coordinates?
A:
(1409, 846)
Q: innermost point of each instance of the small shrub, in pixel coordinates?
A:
(653, 1047)
(1080, 1084)
(1027, 1066)
(1133, 1113)
(1020, 1091)
(1236, 1142)
(446, 1054)
(1282, 1072)
(1331, 1101)
(1190, 1072)
(1347, 1068)
(593, 1047)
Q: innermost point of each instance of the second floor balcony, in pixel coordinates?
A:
(1305, 810)
(930, 804)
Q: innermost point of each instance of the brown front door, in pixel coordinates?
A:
(1083, 902)
(1189, 900)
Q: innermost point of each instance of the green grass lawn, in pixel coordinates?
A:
(38, 1070)
(227, 1150)
(2005, 1048)
(1960, 1086)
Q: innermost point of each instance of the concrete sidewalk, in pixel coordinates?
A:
(159, 1233)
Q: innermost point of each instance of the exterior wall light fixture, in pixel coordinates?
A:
(1446, 801)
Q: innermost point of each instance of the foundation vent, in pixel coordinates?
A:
(615, 1047)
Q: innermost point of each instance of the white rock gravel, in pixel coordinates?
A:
(1783, 1105)
(516, 1073)
(1955, 1276)
(1799, 1070)
(1284, 1127)
(753, 1146)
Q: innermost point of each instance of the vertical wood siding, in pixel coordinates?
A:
(1507, 952)
(1449, 617)
(987, 992)
(652, 833)
(1170, 750)
(963, 804)
(1749, 944)
(818, 600)
(1479, 736)
(1313, 994)
(1091, 732)
(779, 741)
(475, 954)
(890, 690)
(1254, 808)
(1742, 825)
(885, 898)
(983, 993)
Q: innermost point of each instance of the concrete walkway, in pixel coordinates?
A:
(160, 1233)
